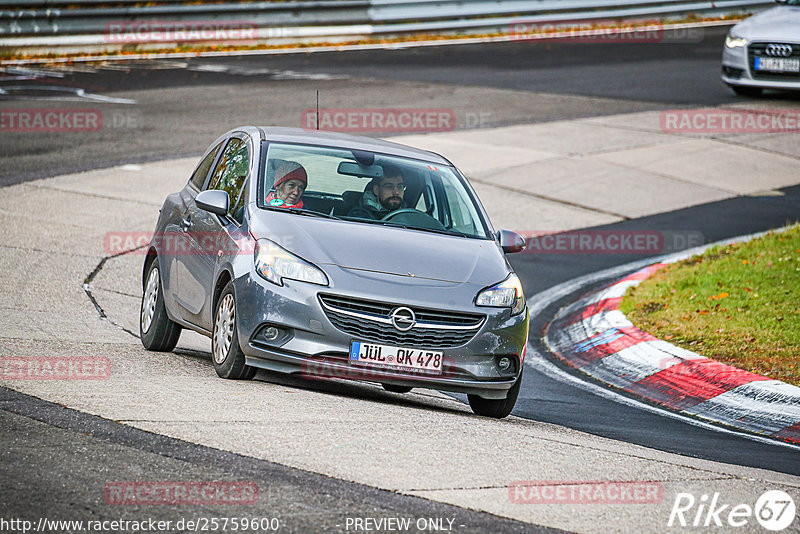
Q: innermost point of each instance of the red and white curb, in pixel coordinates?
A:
(595, 337)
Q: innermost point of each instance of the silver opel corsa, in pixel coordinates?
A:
(331, 255)
(763, 51)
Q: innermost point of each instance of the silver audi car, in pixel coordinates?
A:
(331, 255)
(763, 51)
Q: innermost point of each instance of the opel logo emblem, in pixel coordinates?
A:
(779, 50)
(403, 319)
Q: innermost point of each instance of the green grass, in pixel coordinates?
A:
(738, 304)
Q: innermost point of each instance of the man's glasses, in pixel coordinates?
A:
(396, 187)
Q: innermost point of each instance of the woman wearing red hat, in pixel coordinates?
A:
(290, 183)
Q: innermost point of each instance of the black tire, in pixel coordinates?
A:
(743, 90)
(228, 358)
(497, 408)
(396, 389)
(156, 330)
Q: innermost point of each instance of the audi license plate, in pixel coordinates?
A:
(395, 358)
(778, 64)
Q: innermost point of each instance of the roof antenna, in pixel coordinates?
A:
(317, 109)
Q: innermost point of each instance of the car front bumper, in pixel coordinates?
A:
(737, 71)
(311, 345)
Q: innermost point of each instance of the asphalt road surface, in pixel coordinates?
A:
(55, 461)
(153, 110)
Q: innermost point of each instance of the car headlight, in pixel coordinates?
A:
(506, 294)
(734, 41)
(275, 263)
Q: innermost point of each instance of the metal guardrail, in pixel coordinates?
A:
(86, 22)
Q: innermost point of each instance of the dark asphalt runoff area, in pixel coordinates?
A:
(53, 457)
(177, 107)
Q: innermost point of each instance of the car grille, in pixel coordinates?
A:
(759, 50)
(371, 321)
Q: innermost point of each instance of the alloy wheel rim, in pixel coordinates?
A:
(223, 329)
(149, 300)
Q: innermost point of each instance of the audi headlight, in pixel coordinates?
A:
(506, 294)
(734, 41)
(275, 263)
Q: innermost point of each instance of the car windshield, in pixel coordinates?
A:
(368, 187)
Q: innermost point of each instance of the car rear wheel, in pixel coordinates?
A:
(227, 355)
(156, 330)
(743, 90)
(396, 389)
(497, 408)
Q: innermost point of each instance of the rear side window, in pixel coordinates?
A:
(231, 174)
(199, 176)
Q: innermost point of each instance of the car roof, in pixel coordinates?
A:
(341, 140)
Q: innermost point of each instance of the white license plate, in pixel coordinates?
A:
(396, 358)
(778, 64)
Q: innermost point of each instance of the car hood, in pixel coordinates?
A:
(383, 249)
(779, 24)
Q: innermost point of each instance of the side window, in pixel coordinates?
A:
(237, 211)
(231, 174)
(199, 176)
(462, 214)
(427, 201)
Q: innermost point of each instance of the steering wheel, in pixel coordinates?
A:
(414, 217)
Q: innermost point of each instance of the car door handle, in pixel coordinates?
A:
(186, 223)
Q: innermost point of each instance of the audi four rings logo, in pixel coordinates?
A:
(779, 50)
(404, 319)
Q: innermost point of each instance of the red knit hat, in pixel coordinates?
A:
(290, 170)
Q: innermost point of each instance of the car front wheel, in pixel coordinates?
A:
(229, 360)
(497, 408)
(156, 330)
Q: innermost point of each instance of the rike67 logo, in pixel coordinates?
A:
(774, 510)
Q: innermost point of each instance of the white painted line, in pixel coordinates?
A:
(591, 326)
(73, 94)
(765, 407)
(615, 291)
(544, 366)
(633, 363)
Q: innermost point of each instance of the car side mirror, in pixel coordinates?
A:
(213, 201)
(511, 242)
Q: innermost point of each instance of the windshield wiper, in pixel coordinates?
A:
(301, 211)
(454, 233)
